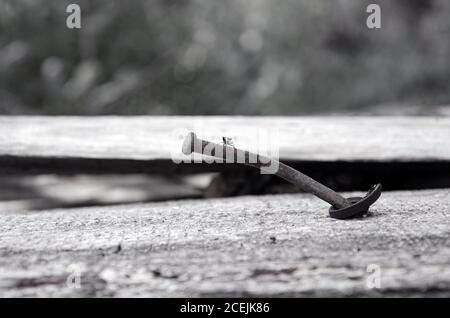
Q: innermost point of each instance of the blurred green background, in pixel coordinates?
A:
(208, 57)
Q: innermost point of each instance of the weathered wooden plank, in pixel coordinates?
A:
(298, 138)
(25, 193)
(280, 245)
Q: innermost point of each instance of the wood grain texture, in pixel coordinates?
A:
(44, 192)
(298, 138)
(274, 245)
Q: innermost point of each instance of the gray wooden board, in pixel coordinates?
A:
(160, 138)
(274, 245)
(44, 192)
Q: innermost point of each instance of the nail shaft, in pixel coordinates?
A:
(193, 144)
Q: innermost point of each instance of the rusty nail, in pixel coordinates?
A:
(341, 207)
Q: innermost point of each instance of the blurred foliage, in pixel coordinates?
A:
(221, 57)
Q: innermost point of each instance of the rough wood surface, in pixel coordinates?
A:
(299, 138)
(279, 245)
